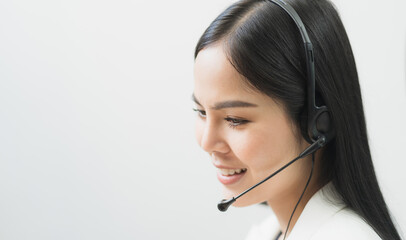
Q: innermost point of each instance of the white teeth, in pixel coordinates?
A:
(229, 172)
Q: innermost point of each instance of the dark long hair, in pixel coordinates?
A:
(264, 45)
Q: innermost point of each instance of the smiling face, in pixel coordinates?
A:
(247, 134)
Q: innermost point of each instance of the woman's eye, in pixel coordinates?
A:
(233, 122)
(201, 113)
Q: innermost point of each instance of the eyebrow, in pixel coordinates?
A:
(226, 104)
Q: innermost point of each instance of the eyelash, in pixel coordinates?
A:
(235, 122)
(201, 113)
(232, 122)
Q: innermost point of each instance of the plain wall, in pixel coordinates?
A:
(97, 128)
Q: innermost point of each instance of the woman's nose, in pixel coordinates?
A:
(212, 139)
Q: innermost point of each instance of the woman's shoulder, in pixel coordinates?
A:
(325, 216)
(345, 224)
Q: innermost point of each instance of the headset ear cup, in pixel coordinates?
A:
(320, 124)
(323, 122)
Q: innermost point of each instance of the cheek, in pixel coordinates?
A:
(265, 148)
(252, 149)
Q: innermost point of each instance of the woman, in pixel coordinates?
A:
(252, 90)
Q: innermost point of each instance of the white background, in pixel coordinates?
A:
(96, 127)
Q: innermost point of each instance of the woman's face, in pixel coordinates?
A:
(247, 134)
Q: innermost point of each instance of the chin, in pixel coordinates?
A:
(240, 204)
(244, 201)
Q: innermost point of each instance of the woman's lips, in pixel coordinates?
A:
(230, 176)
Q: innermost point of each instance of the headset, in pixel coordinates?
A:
(316, 121)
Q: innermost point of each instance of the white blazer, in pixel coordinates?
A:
(323, 217)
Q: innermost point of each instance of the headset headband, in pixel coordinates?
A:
(318, 119)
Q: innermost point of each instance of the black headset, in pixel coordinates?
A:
(315, 121)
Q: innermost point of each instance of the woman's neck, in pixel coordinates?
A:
(283, 206)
